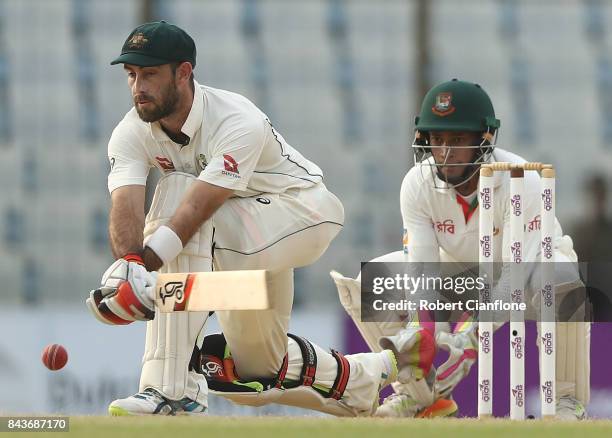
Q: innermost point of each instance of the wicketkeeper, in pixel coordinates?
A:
(234, 196)
(455, 133)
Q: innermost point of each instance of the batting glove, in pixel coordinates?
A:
(126, 293)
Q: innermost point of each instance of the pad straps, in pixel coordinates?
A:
(309, 364)
(307, 375)
(309, 368)
(342, 378)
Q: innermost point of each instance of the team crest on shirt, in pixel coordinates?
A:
(202, 161)
(231, 166)
(444, 105)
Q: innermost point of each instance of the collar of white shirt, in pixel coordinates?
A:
(193, 122)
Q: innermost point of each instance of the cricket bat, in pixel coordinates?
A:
(206, 291)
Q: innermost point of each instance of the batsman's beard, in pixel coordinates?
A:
(168, 103)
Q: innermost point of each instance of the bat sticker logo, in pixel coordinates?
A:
(172, 289)
(212, 369)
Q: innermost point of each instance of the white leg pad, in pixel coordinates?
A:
(573, 368)
(349, 292)
(171, 337)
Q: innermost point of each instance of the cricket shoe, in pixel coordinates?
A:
(443, 407)
(151, 402)
(570, 409)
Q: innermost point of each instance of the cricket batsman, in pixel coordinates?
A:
(455, 133)
(234, 195)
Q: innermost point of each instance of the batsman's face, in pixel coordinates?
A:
(154, 91)
(446, 147)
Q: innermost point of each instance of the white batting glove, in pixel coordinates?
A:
(126, 294)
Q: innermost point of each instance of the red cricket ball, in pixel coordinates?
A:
(54, 357)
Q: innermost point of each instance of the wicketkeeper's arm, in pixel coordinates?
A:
(420, 242)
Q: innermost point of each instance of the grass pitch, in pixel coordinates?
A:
(310, 427)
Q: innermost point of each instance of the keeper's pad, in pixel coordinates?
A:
(171, 337)
(573, 365)
(349, 292)
(216, 363)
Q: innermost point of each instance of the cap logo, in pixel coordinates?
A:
(137, 41)
(443, 106)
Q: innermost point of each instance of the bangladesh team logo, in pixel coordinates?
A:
(444, 105)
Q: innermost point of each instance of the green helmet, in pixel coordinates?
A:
(457, 106)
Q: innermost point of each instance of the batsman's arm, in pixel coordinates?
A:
(199, 204)
(126, 221)
(239, 146)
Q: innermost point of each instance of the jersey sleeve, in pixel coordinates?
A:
(128, 160)
(420, 242)
(235, 152)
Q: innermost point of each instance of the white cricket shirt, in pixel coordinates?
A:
(434, 218)
(232, 145)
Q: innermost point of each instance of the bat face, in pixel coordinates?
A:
(206, 291)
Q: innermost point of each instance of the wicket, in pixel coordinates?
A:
(517, 285)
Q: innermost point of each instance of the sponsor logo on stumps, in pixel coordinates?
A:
(485, 390)
(547, 343)
(518, 394)
(517, 252)
(485, 341)
(547, 391)
(547, 197)
(485, 245)
(485, 198)
(547, 247)
(547, 295)
(516, 205)
(517, 347)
